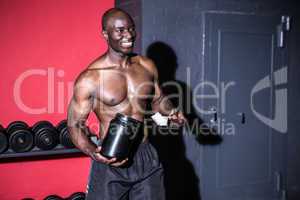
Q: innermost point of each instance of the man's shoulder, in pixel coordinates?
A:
(93, 71)
(101, 64)
(143, 60)
(84, 85)
(90, 73)
(146, 62)
(97, 63)
(86, 77)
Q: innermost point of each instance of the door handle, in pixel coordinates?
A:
(243, 117)
(213, 111)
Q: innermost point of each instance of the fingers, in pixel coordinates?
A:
(119, 163)
(98, 157)
(98, 149)
(109, 161)
(182, 117)
(178, 117)
(112, 161)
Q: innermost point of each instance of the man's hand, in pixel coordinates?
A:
(177, 117)
(113, 161)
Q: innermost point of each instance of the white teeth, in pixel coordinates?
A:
(126, 44)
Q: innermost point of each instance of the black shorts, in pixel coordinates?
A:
(142, 179)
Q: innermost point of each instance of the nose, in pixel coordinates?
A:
(128, 34)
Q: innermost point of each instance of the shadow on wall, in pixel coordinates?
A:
(181, 180)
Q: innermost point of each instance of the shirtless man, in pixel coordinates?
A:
(118, 82)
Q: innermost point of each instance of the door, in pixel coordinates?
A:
(243, 61)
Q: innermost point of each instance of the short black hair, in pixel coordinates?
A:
(109, 13)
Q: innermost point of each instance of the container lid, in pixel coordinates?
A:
(126, 118)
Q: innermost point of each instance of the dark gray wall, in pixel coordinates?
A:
(171, 31)
(293, 108)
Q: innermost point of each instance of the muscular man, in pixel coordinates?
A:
(119, 82)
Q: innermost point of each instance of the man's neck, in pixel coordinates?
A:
(117, 59)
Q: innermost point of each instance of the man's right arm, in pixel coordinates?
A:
(78, 111)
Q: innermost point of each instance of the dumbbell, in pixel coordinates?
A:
(64, 136)
(45, 135)
(77, 196)
(53, 197)
(3, 140)
(19, 136)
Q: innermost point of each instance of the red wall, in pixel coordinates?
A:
(43, 47)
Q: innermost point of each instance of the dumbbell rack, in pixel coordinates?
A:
(61, 150)
(35, 152)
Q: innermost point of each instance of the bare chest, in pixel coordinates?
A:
(132, 84)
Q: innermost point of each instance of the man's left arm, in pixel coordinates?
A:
(162, 104)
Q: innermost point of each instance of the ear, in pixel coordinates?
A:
(105, 35)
